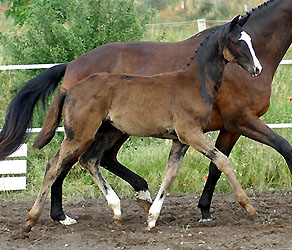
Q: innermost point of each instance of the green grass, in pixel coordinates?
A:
(257, 167)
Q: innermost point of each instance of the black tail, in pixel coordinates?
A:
(20, 110)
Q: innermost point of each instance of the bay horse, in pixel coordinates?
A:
(173, 105)
(236, 111)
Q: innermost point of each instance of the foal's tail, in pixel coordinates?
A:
(52, 121)
(19, 113)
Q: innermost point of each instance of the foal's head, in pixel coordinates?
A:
(237, 47)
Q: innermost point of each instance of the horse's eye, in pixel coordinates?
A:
(235, 42)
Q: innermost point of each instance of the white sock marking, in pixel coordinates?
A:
(144, 195)
(68, 221)
(155, 211)
(245, 37)
(114, 202)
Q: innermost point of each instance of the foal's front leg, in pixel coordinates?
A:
(196, 139)
(224, 143)
(176, 155)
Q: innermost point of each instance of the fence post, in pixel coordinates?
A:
(202, 24)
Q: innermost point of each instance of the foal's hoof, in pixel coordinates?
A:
(26, 228)
(151, 229)
(254, 218)
(250, 210)
(118, 223)
(144, 204)
(19, 235)
(68, 221)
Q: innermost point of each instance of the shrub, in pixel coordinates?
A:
(59, 31)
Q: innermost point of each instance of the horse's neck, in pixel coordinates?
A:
(271, 30)
(208, 66)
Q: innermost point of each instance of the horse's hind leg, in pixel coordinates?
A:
(57, 212)
(197, 140)
(54, 168)
(110, 163)
(115, 139)
(90, 160)
(176, 155)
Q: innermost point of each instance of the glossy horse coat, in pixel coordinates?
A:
(236, 111)
(174, 105)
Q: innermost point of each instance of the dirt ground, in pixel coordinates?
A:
(177, 227)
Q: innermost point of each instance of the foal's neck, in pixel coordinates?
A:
(210, 64)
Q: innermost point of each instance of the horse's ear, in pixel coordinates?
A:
(243, 20)
(234, 22)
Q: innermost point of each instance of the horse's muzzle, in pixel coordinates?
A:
(256, 71)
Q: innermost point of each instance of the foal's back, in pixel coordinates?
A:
(137, 105)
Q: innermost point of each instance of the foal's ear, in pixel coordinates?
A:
(234, 22)
(243, 20)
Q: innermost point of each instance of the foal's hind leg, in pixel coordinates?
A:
(90, 160)
(176, 155)
(198, 141)
(110, 163)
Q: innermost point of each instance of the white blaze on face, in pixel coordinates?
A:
(245, 37)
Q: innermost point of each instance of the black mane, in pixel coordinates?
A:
(259, 7)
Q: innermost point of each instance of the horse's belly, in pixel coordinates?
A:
(142, 125)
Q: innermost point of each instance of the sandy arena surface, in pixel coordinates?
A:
(177, 227)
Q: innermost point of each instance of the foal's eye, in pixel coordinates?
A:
(235, 42)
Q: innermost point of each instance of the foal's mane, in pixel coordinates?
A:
(201, 45)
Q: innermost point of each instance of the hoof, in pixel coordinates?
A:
(250, 210)
(26, 228)
(20, 234)
(145, 205)
(68, 221)
(202, 220)
(118, 223)
(151, 229)
(254, 218)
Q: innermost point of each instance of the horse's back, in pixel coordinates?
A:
(140, 58)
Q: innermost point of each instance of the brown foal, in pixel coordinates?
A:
(174, 105)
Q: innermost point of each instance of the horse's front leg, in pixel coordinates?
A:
(176, 155)
(224, 143)
(254, 128)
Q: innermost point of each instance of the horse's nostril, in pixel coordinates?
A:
(257, 70)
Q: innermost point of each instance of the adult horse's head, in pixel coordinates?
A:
(237, 47)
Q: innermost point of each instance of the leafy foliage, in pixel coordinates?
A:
(59, 31)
